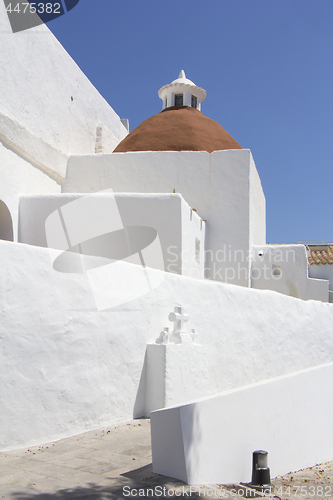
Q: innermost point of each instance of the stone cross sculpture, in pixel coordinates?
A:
(178, 318)
(178, 335)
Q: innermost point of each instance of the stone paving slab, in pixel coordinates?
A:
(115, 463)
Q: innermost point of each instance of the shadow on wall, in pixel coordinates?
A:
(139, 409)
(139, 483)
(6, 223)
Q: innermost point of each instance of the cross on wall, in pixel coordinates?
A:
(178, 318)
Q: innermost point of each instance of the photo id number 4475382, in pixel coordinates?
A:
(34, 8)
(310, 491)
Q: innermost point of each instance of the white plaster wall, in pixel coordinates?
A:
(32, 149)
(177, 226)
(19, 176)
(284, 268)
(228, 225)
(193, 243)
(176, 373)
(217, 185)
(46, 95)
(323, 272)
(257, 208)
(211, 441)
(67, 367)
(143, 172)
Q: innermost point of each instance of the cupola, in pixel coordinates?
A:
(180, 126)
(182, 92)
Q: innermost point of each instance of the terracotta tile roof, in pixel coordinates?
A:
(178, 128)
(320, 254)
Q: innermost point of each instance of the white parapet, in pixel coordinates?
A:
(211, 441)
(178, 231)
(284, 268)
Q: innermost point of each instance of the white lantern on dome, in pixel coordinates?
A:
(182, 92)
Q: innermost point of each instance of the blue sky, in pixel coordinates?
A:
(267, 67)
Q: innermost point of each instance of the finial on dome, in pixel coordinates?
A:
(182, 92)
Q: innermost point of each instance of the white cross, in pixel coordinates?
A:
(178, 318)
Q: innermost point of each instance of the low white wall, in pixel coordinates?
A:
(211, 441)
(67, 367)
(178, 228)
(284, 268)
(223, 186)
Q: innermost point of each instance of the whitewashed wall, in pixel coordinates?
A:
(193, 242)
(257, 208)
(67, 367)
(284, 268)
(19, 176)
(45, 94)
(211, 441)
(176, 373)
(322, 272)
(228, 225)
(178, 227)
(223, 186)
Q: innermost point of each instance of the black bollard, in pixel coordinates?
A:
(260, 472)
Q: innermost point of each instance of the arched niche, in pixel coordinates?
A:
(6, 224)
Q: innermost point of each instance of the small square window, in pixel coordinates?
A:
(178, 99)
(194, 101)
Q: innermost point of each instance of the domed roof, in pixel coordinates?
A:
(178, 128)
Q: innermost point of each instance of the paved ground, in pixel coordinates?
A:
(115, 462)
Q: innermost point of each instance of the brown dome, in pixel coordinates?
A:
(178, 128)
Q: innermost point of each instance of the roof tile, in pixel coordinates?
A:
(322, 254)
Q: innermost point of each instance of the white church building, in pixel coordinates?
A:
(136, 280)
